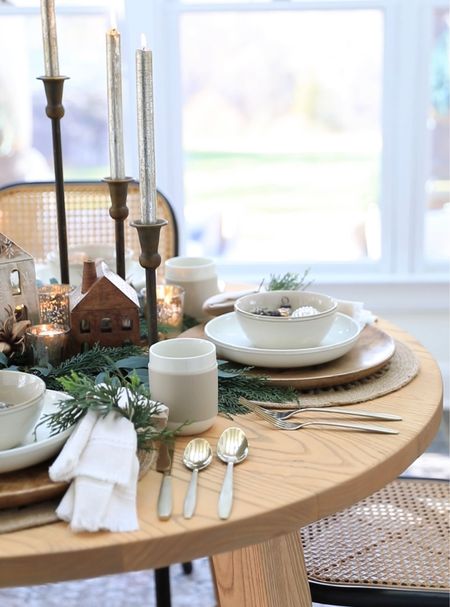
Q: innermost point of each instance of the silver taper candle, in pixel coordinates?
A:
(49, 39)
(146, 137)
(115, 119)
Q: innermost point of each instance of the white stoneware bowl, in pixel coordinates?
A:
(285, 332)
(21, 403)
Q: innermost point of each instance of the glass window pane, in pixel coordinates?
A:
(25, 131)
(437, 217)
(282, 133)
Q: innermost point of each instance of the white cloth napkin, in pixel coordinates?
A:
(356, 310)
(100, 459)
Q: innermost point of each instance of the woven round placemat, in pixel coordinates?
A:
(399, 371)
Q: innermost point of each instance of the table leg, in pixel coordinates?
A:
(271, 574)
(162, 587)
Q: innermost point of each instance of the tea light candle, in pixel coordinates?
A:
(54, 305)
(49, 39)
(146, 136)
(169, 306)
(48, 343)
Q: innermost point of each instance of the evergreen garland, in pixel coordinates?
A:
(100, 363)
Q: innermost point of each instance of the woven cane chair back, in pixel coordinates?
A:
(391, 548)
(28, 217)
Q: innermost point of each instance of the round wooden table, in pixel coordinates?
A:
(289, 480)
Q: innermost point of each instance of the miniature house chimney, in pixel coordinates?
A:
(89, 275)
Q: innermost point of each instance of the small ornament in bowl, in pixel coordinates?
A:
(21, 403)
(285, 320)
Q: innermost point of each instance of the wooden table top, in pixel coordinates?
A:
(289, 480)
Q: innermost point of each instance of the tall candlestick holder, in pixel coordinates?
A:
(54, 86)
(118, 191)
(150, 259)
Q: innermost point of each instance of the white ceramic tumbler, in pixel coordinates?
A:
(183, 375)
(198, 277)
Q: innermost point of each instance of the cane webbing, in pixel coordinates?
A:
(397, 538)
(28, 217)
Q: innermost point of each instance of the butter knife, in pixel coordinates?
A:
(164, 465)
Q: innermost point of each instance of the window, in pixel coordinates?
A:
(25, 131)
(289, 133)
(282, 144)
(14, 281)
(127, 324)
(106, 325)
(437, 213)
(85, 325)
(21, 312)
(298, 134)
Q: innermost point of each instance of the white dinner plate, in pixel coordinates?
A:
(32, 451)
(232, 344)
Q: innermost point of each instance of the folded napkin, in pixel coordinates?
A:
(356, 310)
(100, 459)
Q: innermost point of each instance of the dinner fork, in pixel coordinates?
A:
(284, 425)
(288, 413)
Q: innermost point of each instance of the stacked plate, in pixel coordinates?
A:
(232, 344)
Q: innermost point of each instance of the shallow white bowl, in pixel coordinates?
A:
(24, 393)
(37, 448)
(285, 332)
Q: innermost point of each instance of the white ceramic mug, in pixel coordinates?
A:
(198, 277)
(183, 375)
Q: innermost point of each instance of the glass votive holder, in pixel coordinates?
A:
(48, 343)
(169, 308)
(54, 306)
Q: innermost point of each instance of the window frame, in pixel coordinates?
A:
(405, 143)
(403, 270)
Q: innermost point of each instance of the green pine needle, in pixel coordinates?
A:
(104, 398)
(234, 381)
(291, 281)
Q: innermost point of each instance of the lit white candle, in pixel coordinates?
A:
(48, 20)
(115, 120)
(146, 136)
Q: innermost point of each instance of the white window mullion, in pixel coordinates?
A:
(402, 42)
(421, 143)
(170, 111)
(388, 183)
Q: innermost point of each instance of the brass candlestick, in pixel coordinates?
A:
(150, 259)
(55, 111)
(118, 191)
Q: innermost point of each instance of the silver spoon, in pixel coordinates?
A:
(232, 448)
(197, 455)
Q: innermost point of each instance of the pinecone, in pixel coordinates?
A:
(12, 334)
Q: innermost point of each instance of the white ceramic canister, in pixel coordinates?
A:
(198, 277)
(183, 375)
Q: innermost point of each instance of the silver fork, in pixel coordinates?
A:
(284, 425)
(291, 412)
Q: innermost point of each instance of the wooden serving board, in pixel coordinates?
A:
(28, 486)
(371, 352)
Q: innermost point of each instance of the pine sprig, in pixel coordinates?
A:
(107, 397)
(235, 381)
(291, 281)
(94, 360)
(89, 363)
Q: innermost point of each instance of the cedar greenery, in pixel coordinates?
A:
(235, 381)
(103, 398)
(291, 281)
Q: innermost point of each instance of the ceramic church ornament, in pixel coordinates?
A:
(18, 288)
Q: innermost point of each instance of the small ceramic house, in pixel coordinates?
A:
(104, 310)
(17, 282)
